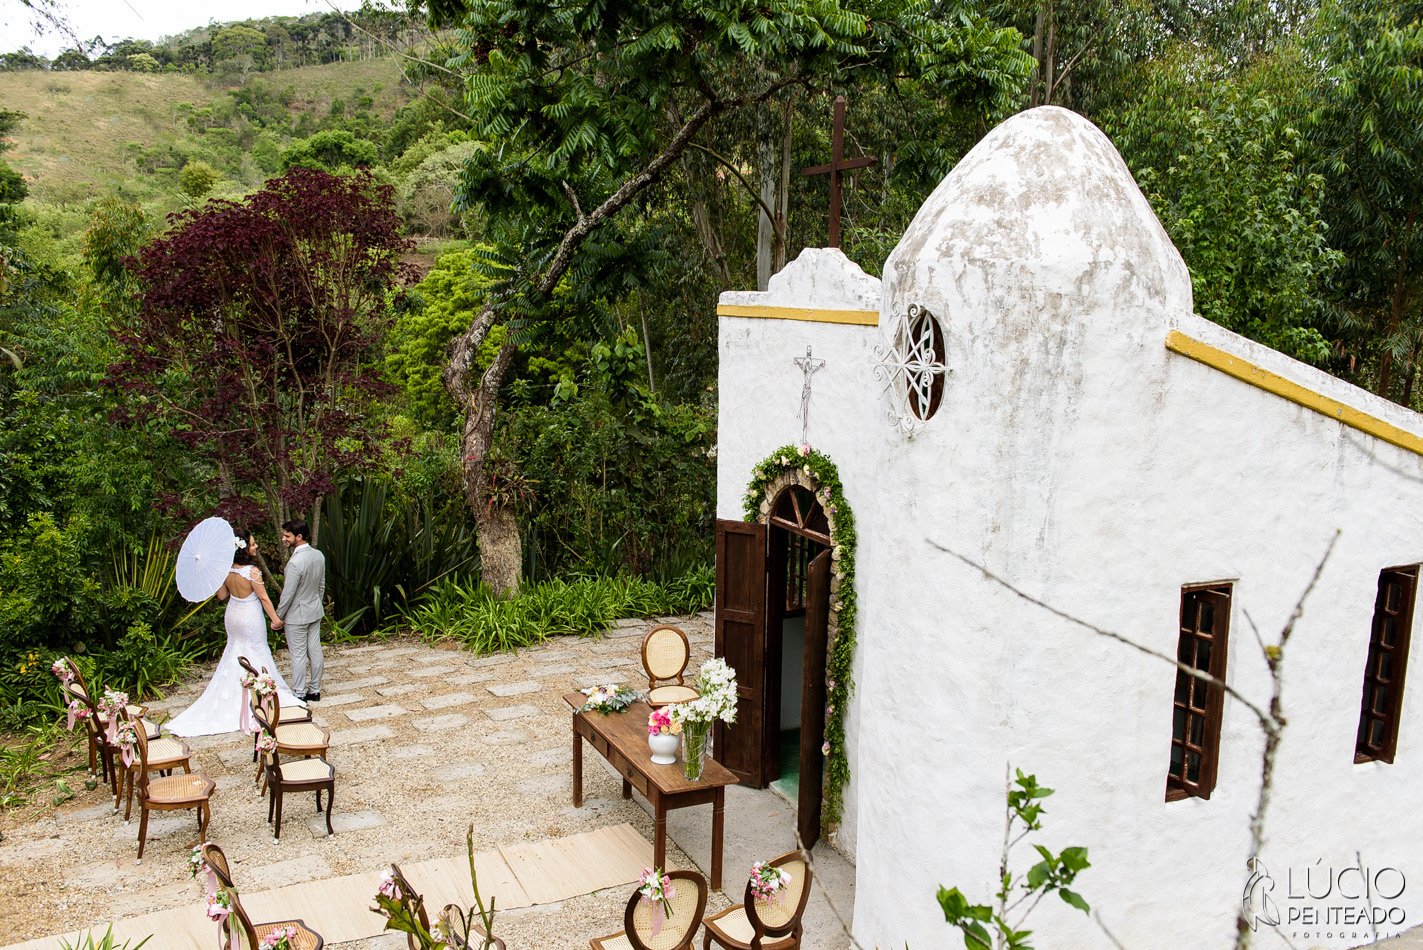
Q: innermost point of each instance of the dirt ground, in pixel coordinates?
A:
(425, 741)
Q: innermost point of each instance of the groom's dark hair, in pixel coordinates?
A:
(299, 528)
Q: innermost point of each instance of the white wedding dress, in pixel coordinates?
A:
(219, 708)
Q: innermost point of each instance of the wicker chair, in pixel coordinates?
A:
(289, 714)
(100, 755)
(306, 938)
(417, 904)
(170, 793)
(765, 925)
(165, 754)
(300, 775)
(665, 653)
(293, 738)
(450, 913)
(678, 929)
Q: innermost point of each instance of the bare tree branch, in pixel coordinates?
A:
(1201, 675)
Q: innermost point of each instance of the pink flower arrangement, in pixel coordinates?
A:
(78, 712)
(219, 905)
(279, 939)
(266, 743)
(126, 738)
(262, 684)
(112, 702)
(656, 888)
(661, 723)
(62, 670)
(767, 881)
(388, 887)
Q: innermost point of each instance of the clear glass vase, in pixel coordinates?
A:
(696, 739)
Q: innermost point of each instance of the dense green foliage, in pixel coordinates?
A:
(1278, 143)
(470, 614)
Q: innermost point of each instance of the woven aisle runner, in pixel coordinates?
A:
(538, 872)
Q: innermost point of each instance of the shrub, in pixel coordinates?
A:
(586, 606)
(381, 549)
(198, 178)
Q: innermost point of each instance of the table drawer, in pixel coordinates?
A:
(635, 778)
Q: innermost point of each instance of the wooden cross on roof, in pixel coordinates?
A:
(838, 164)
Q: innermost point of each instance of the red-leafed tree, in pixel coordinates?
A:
(254, 338)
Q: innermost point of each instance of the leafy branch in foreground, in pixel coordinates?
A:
(985, 926)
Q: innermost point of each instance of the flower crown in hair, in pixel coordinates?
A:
(239, 543)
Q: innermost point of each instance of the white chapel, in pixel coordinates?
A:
(1026, 414)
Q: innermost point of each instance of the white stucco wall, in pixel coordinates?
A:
(1079, 459)
(759, 410)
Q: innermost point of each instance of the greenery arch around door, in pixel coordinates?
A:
(812, 470)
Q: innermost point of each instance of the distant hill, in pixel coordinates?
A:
(88, 132)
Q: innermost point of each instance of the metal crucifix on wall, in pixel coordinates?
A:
(838, 164)
(808, 365)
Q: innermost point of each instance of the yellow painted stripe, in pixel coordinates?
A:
(1261, 378)
(863, 318)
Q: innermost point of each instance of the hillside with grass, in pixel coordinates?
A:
(87, 133)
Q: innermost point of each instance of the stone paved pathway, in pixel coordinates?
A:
(425, 741)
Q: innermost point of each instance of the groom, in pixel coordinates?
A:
(301, 609)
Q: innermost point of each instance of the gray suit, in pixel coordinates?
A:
(301, 608)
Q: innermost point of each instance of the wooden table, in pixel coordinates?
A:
(622, 740)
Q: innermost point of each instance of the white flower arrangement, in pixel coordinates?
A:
(716, 682)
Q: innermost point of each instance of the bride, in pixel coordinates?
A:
(219, 708)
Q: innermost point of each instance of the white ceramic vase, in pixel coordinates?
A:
(664, 748)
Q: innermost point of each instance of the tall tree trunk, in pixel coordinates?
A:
(1035, 97)
(784, 204)
(765, 226)
(478, 405)
(501, 555)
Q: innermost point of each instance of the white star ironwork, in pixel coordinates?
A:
(912, 368)
(808, 365)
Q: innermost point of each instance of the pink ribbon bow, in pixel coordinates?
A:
(247, 723)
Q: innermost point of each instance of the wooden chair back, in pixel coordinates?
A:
(415, 901)
(216, 860)
(140, 753)
(266, 727)
(688, 903)
(79, 689)
(781, 916)
(665, 652)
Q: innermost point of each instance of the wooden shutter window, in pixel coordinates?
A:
(1197, 705)
(1388, 661)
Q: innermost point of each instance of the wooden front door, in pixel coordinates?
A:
(741, 641)
(812, 702)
